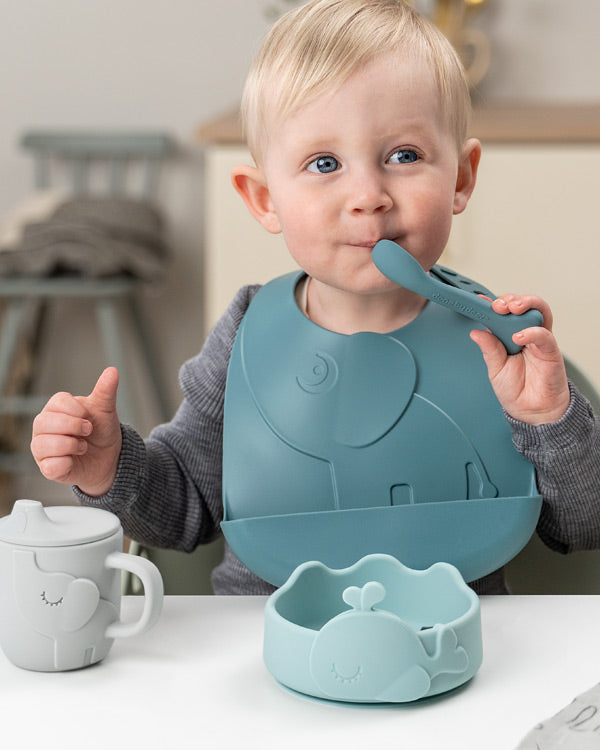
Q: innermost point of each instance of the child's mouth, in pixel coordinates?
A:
(369, 244)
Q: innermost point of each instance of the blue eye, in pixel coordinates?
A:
(323, 165)
(403, 156)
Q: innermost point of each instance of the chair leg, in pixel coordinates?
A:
(107, 315)
(13, 316)
(152, 365)
(16, 402)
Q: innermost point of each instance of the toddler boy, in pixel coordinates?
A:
(356, 114)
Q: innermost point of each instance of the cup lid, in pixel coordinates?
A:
(31, 524)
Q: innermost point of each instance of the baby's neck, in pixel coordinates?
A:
(348, 313)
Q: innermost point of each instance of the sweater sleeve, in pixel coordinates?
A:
(167, 492)
(566, 456)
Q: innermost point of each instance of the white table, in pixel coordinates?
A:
(197, 680)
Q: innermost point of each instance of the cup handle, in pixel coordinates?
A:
(152, 582)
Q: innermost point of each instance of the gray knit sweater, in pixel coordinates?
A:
(167, 492)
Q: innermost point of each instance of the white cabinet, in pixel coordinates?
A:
(237, 250)
(533, 225)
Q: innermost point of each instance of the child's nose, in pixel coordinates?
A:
(368, 193)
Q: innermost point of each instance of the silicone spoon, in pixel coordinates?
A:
(400, 267)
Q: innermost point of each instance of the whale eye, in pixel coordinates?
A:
(345, 679)
(49, 602)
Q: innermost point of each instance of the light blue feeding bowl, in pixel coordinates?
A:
(376, 632)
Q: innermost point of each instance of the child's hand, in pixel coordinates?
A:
(531, 385)
(77, 439)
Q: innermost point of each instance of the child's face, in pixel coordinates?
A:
(373, 160)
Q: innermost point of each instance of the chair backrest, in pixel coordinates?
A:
(80, 150)
(584, 383)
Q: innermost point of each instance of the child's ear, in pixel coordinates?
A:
(252, 186)
(467, 174)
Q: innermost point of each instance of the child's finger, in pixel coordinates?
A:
(104, 395)
(57, 469)
(541, 338)
(46, 446)
(493, 350)
(60, 423)
(517, 304)
(65, 403)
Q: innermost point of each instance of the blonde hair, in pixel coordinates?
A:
(316, 47)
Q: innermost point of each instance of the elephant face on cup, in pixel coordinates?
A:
(60, 586)
(58, 621)
(52, 602)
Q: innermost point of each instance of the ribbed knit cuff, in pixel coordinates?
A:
(574, 427)
(129, 478)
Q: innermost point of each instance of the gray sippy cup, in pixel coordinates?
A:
(60, 586)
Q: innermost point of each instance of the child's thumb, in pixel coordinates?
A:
(104, 395)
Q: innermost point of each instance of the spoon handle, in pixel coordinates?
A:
(447, 288)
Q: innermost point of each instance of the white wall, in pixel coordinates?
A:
(173, 64)
(544, 50)
(167, 64)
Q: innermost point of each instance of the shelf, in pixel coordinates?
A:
(494, 123)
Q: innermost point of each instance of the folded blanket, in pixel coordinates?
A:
(94, 237)
(38, 206)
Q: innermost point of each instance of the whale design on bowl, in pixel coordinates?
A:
(375, 632)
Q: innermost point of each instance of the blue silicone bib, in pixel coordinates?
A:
(336, 447)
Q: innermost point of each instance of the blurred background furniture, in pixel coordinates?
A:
(182, 572)
(102, 242)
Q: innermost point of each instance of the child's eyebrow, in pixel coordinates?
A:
(305, 149)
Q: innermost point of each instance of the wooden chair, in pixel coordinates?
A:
(24, 299)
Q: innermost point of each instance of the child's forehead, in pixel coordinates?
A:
(401, 69)
(404, 85)
(318, 44)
